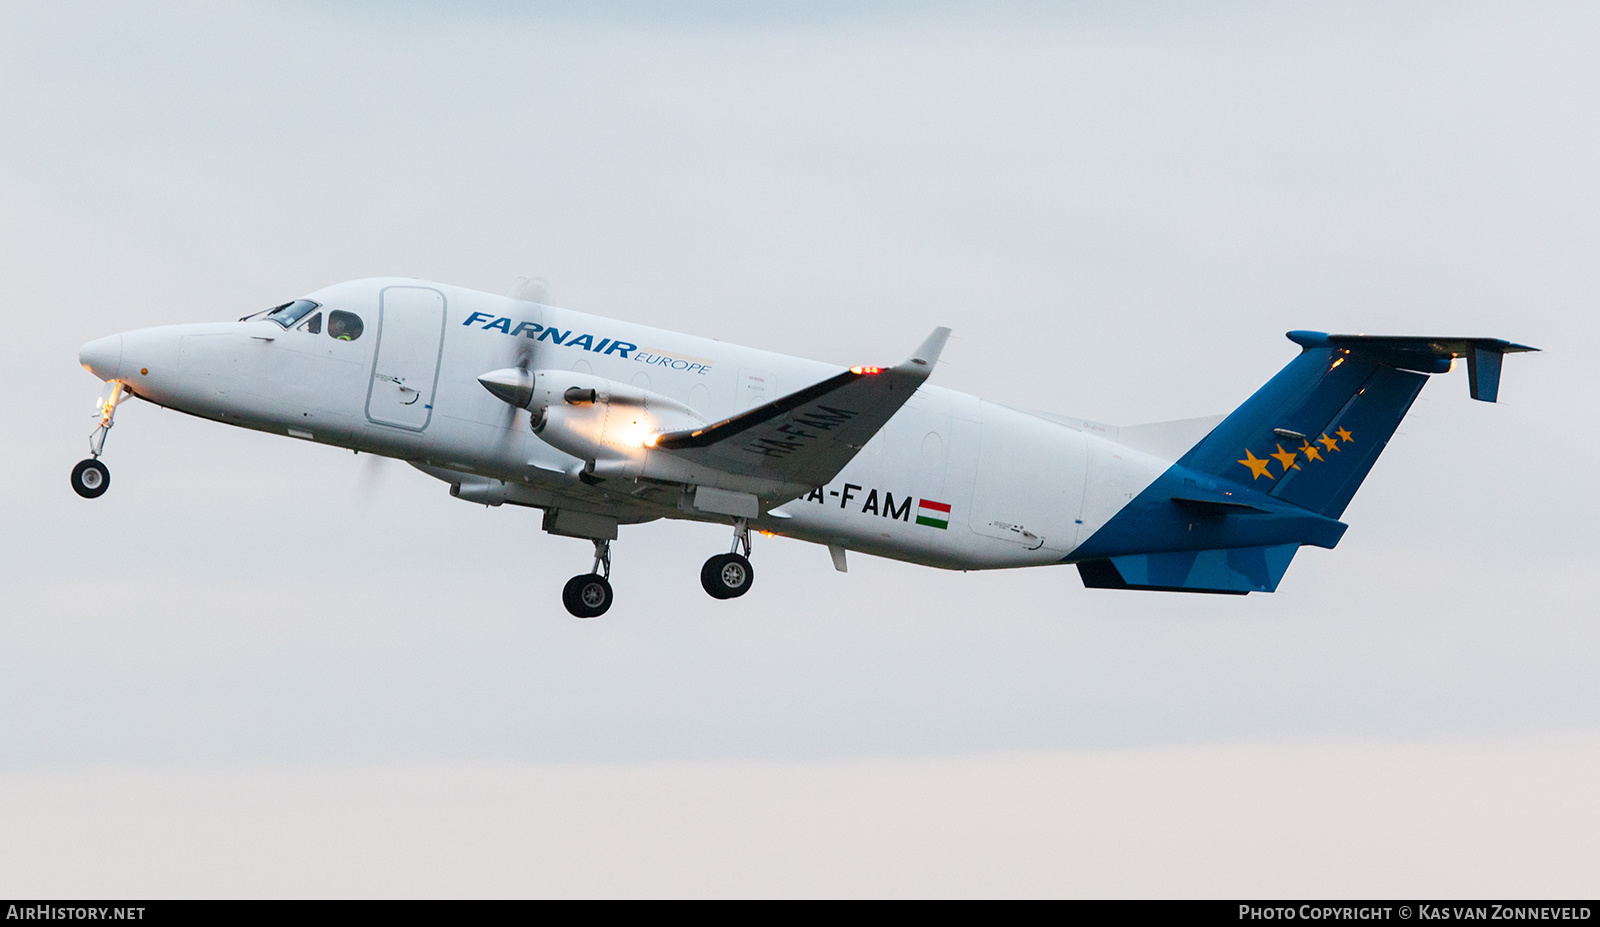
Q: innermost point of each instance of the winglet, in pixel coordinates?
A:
(927, 353)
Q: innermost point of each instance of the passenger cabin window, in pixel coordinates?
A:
(313, 324)
(344, 326)
(290, 313)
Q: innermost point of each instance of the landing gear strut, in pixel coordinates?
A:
(589, 595)
(729, 575)
(90, 478)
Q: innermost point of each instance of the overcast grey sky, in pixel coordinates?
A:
(1119, 208)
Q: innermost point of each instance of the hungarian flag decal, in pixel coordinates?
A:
(936, 514)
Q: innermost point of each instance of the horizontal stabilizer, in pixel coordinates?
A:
(808, 436)
(1427, 355)
(1311, 434)
(1231, 571)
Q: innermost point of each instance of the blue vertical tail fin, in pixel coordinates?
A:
(1279, 470)
(1312, 433)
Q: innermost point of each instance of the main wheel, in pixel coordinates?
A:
(90, 478)
(587, 596)
(727, 576)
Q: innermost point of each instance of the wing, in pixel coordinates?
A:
(808, 436)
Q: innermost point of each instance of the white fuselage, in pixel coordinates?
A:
(1020, 489)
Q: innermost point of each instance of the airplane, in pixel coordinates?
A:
(602, 423)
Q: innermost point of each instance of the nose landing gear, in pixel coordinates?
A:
(589, 595)
(729, 575)
(90, 478)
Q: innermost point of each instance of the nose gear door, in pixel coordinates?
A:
(405, 368)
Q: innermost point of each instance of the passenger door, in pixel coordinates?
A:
(405, 367)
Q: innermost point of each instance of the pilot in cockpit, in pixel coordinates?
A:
(344, 326)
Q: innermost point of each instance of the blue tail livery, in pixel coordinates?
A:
(1279, 471)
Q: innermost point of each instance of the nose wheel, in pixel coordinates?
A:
(589, 595)
(90, 478)
(729, 575)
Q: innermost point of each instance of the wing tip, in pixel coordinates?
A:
(927, 353)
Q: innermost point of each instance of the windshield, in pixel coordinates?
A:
(290, 313)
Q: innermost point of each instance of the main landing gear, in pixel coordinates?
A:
(729, 575)
(725, 576)
(589, 595)
(90, 478)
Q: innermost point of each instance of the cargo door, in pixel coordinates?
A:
(1029, 482)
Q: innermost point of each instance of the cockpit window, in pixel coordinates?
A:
(313, 324)
(344, 326)
(290, 313)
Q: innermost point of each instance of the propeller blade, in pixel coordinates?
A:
(369, 479)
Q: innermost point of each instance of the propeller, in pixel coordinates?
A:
(374, 469)
(533, 290)
(521, 359)
(369, 479)
(530, 289)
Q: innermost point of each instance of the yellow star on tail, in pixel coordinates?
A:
(1345, 436)
(1328, 443)
(1311, 452)
(1258, 466)
(1286, 458)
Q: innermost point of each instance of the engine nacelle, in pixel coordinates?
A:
(590, 417)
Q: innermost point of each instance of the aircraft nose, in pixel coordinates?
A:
(103, 357)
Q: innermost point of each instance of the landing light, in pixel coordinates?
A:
(866, 370)
(650, 441)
